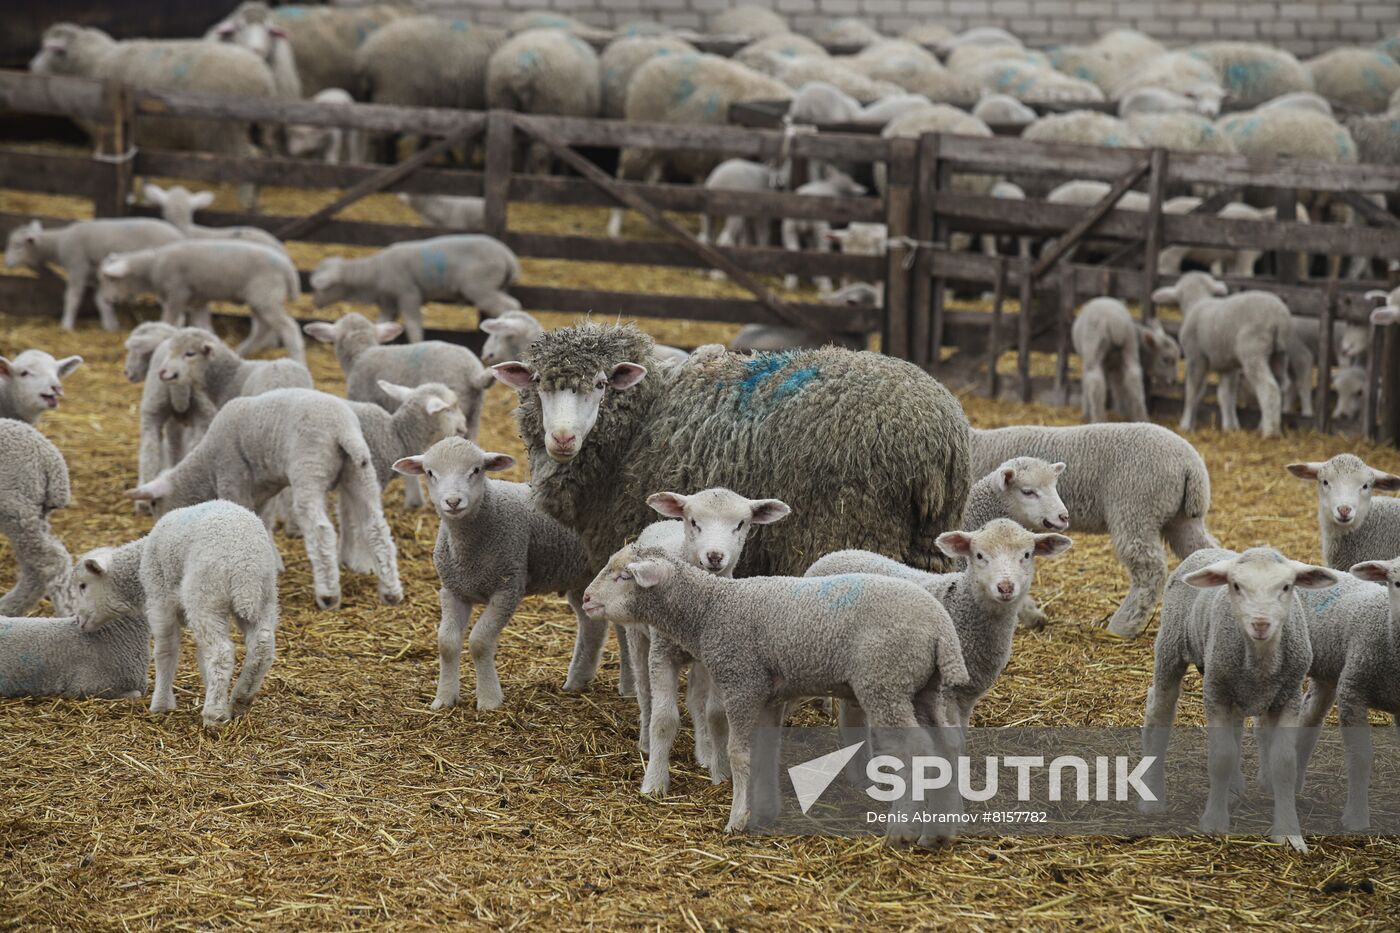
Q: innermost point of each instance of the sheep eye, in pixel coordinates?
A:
(1324, 482)
(431, 474)
(1365, 486)
(694, 524)
(624, 576)
(601, 384)
(189, 354)
(1287, 587)
(1235, 587)
(1030, 493)
(1026, 556)
(82, 587)
(979, 556)
(1396, 584)
(739, 527)
(23, 373)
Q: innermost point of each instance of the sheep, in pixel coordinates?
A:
(859, 239)
(545, 71)
(508, 336)
(334, 145)
(1356, 663)
(708, 530)
(1356, 79)
(795, 231)
(41, 657)
(620, 61)
(740, 175)
(35, 483)
(1300, 133)
(939, 118)
(495, 548)
(1349, 383)
(1238, 618)
(173, 416)
(1247, 333)
(399, 278)
(79, 249)
(820, 102)
(1022, 489)
(1253, 73)
(983, 599)
(749, 20)
(916, 71)
(764, 55)
(886, 109)
(1298, 100)
(1004, 110)
(171, 65)
(883, 642)
(1146, 100)
(1110, 344)
(1033, 82)
(253, 27)
(196, 568)
(1138, 482)
(849, 80)
(1377, 137)
(1355, 525)
(686, 89)
(32, 383)
(365, 361)
(545, 19)
(177, 206)
(846, 30)
(300, 439)
(772, 337)
(141, 346)
(322, 39)
(1180, 132)
(425, 61)
(1240, 262)
(1179, 72)
(1083, 128)
(465, 214)
(589, 383)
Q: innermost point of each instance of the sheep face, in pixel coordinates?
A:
(256, 34)
(36, 380)
(456, 470)
(1344, 487)
(22, 247)
(58, 55)
(1190, 289)
(114, 279)
(569, 411)
(1001, 558)
(93, 595)
(1387, 574)
(506, 338)
(326, 282)
(611, 595)
(716, 524)
(435, 402)
(1261, 582)
(1162, 353)
(1350, 385)
(1029, 493)
(141, 345)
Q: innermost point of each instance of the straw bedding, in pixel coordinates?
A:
(341, 801)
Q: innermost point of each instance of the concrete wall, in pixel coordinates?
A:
(1305, 27)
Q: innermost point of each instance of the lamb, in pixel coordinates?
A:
(141, 346)
(1004, 110)
(1138, 482)
(1240, 262)
(590, 383)
(748, 20)
(1355, 525)
(186, 276)
(509, 335)
(35, 483)
(177, 205)
(740, 175)
(41, 657)
(464, 214)
(885, 643)
(365, 361)
(32, 383)
(820, 102)
(198, 567)
(1356, 79)
(1253, 73)
(495, 548)
(334, 145)
(399, 278)
(1356, 663)
(79, 250)
(545, 71)
(983, 599)
(300, 439)
(709, 530)
(1248, 333)
(1349, 384)
(323, 39)
(620, 61)
(1110, 345)
(254, 27)
(794, 231)
(427, 61)
(1238, 619)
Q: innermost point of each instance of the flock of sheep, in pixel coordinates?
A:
(898, 544)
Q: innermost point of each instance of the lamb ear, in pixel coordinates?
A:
(68, 364)
(148, 492)
(387, 331)
(1219, 288)
(277, 32)
(1048, 545)
(207, 348)
(768, 511)
(1314, 578)
(649, 573)
(1149, 338)
(1387, 314)
(669, 504)
(95, 565)
(320, 330)
(491, 325)
(1059, 467)
(435, 406)
(514, 374)
(1305, 470)
(5, 371)
(115, 268)
(1374, 571)
(483, 380)
(626, 375)
(154, 194)
(1385, 482)
(396, 392)
(496, 462)
(1006, 476)
(201, 199)
(410, 466)
(1166, 295)
(1217, 574)
(955, 543)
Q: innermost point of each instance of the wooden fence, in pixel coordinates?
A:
(920, 203)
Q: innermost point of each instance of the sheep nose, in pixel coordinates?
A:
(452, 502)
(715, 558)
(563, 441)
(1344, 512)
(1005, 588)
(166, 375)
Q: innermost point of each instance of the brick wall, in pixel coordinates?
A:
(1305, 27)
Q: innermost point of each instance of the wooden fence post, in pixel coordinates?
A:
(1390, 387)
(994, 335)
(926, 179)
(1023, 322)
(500, 146)
(1322, 414)
(1066, 322)
(899, 197)
(938, 300)
(116, 148)
(1152, 248)
(1286, 209)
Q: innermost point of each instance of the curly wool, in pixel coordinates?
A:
(1301, 134)
(545, 71)
(869, 451)
(1252, 73)
(1357, 79)
(620, 61)
(33, 484)
(425, 61)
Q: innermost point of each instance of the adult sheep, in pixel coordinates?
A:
(1253, 73)
(545, 71)
(254, 27)
(1357, 79)
(869, 451)
(424, 61)
(324, 40)
(620, 61)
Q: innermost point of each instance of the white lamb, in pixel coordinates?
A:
(334, 145)
(42, 657)
(1110, 345)
(1355, 524)
(198, 567)
(835, 185)
(177, 205)
(32, 383)
(33, 484)
(461, 213)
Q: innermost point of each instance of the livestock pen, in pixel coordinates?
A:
(343, 801)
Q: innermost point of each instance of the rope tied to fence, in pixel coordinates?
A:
(913, 246)
(115, 159)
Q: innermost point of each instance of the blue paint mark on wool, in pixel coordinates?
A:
(711, 104)
(684, 88)
(460, 25)
(180, 70)
(795, 381)
(759, 370)
(835, 593)
(434, 268)
(528, 57)
(291, 12)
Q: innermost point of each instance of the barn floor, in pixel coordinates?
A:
(342, 801)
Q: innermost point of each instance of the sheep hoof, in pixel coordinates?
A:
(1294, 842)
(656, 788)
(444, 702)
(391, 597)
(241, 707)
(327, 600)
(1125, 628)
(1355, 822)
(490, 701)
(213, 724)
(935, 841)
(575, 686)
(143, 508)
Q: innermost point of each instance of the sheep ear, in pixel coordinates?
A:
(1166, 295)
(1048, 545)
(1217, 574)
(1006, 476)
(201, 200)
(1374, 571)
(320, 330)
(68, 364)
(1058, 467)
(435, 406)
(1219, 288)
(1304, 470)
(626, 375)
(32, 232)
(514, 374)
(396, 392)
(649, 573)
(1387, 314)
(492, 325)
(1314, 578)
(207, 348)
(155, 194)
(95, 565)
(768, 511)
(482, 380)
(1149, 338)
(5, 371)
(669, 504)
(388, 330)
(496, 462)
(410, 466)
(1385, 482)
(955, 543)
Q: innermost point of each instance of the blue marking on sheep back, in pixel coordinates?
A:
(1344, 146)
(434, 268)
(291, 12)
(794, 382)
(711, 104)
(684, 88)
(835, 593)
(1324, 598)
(528, 57)
(1113, 139)
(460, 25)
(660, 52)
(762, 368)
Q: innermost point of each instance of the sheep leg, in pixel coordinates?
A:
(259, 338)
(163, 616)
(1162, 699)
(354, 549)
(615, 222)
(1266, 390)
(201, 317)
(1316, 703)
(412, 493)
(259, 651)
(851, 720)
(626, 666)
(1140, 551)
(72, 300)
(1095, 389)
(1356, 736)
(765, 800)
(388, 311)
(638, 641)
(1195, 386)
(1131, 398)
(792, 241)
(697, 699)
(319, 537)
(717, 721)
(411, 314)
(1281, 755)
(1226, 396)
(744, 710)
(286, 331)
(456, 614)
(172, 312)
(1029, 616)
(895, 730)
(214, 651)
(1223, 764)
(482, 641)
(729, 234)
(44, 565)
(588, 647)
(664, 668)
(359, 491)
